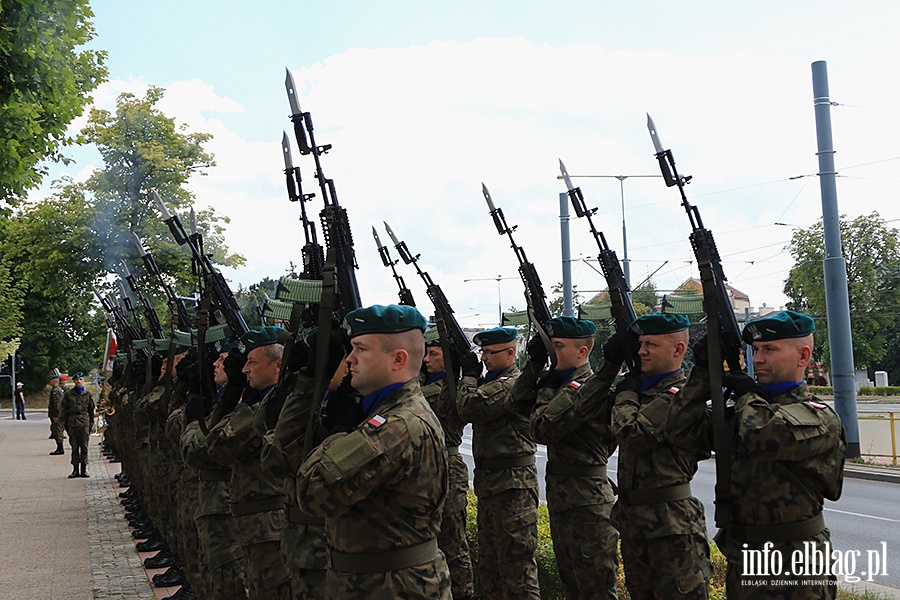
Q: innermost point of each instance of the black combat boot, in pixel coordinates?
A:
(74, 472)
(59, 449)
(84, 472)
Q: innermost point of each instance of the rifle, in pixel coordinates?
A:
(126, 307)
(535, 297)
(724, 337)
(405, 293)
(176, 305)
(441, 304)
(214, 280)
(312, 253)
(619, 294)
(125, 332)
(154, 327)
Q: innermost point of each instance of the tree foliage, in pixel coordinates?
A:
(45, 80)
(873, 266)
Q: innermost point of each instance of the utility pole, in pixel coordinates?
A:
(837, 298)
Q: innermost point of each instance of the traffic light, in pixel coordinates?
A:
(20, 363)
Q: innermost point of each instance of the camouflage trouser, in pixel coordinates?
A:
(428, 581)
(267, 577)
(585, 545)
(507, 541)
(58, 431)
(309, 583)
(304, 552)
(452, 538)
(813, 587)
(672, 566)
(78, 438)
(221, 557)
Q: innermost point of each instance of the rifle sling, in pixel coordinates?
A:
(202, 325)
(323, 337)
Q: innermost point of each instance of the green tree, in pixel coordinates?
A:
(870, 251)
(644, 298)
(45, 82)
(556, 299)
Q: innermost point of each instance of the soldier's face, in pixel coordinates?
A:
(261, 372)
(660, 353)
(497, 357)
(219, 375)
(78, 381)
(778, 361)
(569, 353)
(434, 360)
(370, 365)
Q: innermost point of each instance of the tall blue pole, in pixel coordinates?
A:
(568, 308)
(837, 299)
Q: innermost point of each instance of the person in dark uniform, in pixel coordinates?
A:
(54, 406)
(77, 415)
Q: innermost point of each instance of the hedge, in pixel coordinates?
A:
(887, 390)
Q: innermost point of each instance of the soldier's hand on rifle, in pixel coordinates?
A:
(550, 380)
(300, 353)
(740, 383)
(188, 370)
(233, 365)
(338, 349)
(537, 351)
(343, 410)
(470, 365)
(614, 349)
(631, 383)
(193, 410)
(700, 350)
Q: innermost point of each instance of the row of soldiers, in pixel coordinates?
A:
(263, 495)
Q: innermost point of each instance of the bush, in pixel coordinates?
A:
(888, 390)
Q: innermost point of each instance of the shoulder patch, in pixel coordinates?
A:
(816, 405)
(502, 378)
(574, 385)
(674, 390)
(376, 421)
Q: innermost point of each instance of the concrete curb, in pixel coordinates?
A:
(872, 473)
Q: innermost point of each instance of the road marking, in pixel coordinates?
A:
(847, 512)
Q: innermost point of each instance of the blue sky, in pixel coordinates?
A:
(424, 101)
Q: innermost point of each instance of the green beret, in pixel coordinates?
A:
(78, 374)
(257, 338)
(570, 328)
(393, 318)
(659, 323)
(54, 376)
(778, 326)
(497, 335)
(225, 345)
(432, 337)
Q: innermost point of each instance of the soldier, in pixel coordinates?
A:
(77, 415)
(505, 474)
(257, 499)
(664, 546)
(382, 486)
(53, 408)
(788, 455)
(452, 538)
(579, 442)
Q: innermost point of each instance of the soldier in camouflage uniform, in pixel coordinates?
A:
(257, 499)
(77, 416)
(579, 442)
(787, 457)
(381, 487)
(452, 538)
(53, 407)
(505, 474)
(220, 552)
(665, 550)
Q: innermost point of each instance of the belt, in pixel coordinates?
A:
(564, 470)
(381, 562)
(656, 495)
(452, 450)
(215, 474)
(251, 507)
(295, 515)
(779, 533)
(504, 463)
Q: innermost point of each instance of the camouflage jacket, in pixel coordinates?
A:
(788, 453)
(648, 461)
(444, 406)
(573, 437)
(55, 403)
(381, 487)
(77, 410)
(498, 432)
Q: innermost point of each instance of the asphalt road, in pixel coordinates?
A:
(867, 514)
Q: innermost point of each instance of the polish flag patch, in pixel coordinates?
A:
(575, 385)
(377, 421)
(674, 390)
(816, 405)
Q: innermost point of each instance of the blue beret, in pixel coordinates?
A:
(659, 323)
(570, 328)
(54, 376)
(497, 335)
(778, 326)
(393, 318)
(256, 338)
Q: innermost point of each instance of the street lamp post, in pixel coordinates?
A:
(498, 279)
